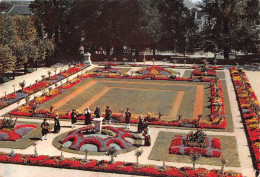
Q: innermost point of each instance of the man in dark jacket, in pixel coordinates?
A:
(127, 118)
(73, 118)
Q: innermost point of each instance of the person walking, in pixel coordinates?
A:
(56, 124)
(45, 129)
(108, 113)
(97, 112)
(73, 118)
(140, 125)
(87, 116)
(127, 118)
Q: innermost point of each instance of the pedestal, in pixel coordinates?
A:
(98, 124)
(87, 59)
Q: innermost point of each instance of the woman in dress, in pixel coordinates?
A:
(140, 126)
(56, 124)
(73, 118)
(97, 112)
(45, 129)
(87, 116)
(147, 137)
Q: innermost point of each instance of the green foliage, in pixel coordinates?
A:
(7, 58)
(198, 136)
(20, 42)
(230, 24)
(115, 23)
(107, 132)
(7, 124)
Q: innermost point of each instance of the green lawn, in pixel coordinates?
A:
(160, 151)
(138, 100)
(142, 96)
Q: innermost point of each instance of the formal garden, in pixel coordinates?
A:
(187, 107)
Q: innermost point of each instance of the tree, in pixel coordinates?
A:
(7, 30)
(194, 157)
(138, 153)
(177, 25)
(7, 59)
(230, 24)
(53, 19)
(112, 152)
(152, 23)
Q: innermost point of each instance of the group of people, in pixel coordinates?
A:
(143, 127)
(46, 127)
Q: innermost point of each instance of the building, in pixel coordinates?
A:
(199, 17)
(17, 7)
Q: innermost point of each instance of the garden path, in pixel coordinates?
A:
(29, 79)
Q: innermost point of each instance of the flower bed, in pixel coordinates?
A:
(212, 149)
(39, 85)
(19, 131)
(76, 139)
(208, 72)
(117, 167)
(249, 108)
(155, 71)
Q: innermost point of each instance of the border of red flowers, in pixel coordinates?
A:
(106, 166)
(177, 144)
(253, 135)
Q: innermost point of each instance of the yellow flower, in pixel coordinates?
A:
(206, 122)
(40, 99)
(253, 126)
(257, 144)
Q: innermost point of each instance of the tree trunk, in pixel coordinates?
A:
(14, 74)
(36, 65)
(136, 52)
(226, 53)
(154, 50)
(25, 67)
(225, 41)
(108, 50)
(46, 61)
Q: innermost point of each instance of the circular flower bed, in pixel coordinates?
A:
(20, 130)
(83, 139)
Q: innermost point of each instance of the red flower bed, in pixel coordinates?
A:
(103, 144)
(246, 96)
(117, 167)
(19, 131)
(178, 147)
(91, 141)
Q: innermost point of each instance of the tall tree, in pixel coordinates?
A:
(230, 24)
(54, 18)
(152, 24)
(178, 24)
(7, 59)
